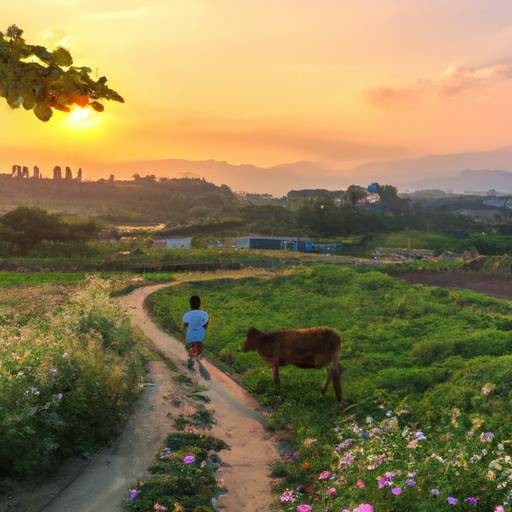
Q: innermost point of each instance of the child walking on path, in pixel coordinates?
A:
(196, 323)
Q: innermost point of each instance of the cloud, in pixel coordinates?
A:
(55, 37)
(455, 80)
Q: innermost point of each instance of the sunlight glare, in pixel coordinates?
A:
(82, 117)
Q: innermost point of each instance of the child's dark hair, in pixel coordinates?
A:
(195, 302)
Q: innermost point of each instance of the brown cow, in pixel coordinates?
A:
(316, 347)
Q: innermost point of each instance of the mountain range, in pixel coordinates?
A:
(471, 171)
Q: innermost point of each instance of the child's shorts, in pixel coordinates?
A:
(195, 349)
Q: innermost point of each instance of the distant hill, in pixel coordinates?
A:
(457, 172)
(277, 180)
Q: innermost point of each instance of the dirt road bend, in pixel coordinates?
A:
(238, 422)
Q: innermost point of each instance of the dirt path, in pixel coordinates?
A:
(498, 285)
(103, 485)
(238, 422)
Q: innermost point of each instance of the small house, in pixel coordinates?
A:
(173, 242)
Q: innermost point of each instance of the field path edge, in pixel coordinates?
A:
(247, 463)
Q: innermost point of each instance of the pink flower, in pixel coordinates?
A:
(324, 475)
(500, 508)
(189, 459)
(287, 497)
(396, 491)
(159, 507)
(304, 507)
(331, 491)
(360, 484)
(364, 507)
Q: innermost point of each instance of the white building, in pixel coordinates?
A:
(174, 242)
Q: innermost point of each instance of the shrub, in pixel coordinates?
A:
(66, 381)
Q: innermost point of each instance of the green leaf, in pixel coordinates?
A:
(62, 57)
(43, 111)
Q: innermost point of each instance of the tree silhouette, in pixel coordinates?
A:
(41, 80)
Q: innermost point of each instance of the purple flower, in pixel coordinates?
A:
(396, 491)
(331, 491)
(324, 475)
(410, 482)
(420, 436)
(189, 459)
(132, 494)
(304, 507)
(435, 491)
(471, 500)
(451, 500)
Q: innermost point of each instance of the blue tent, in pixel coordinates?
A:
(373, 188)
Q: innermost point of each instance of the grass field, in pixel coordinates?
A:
(439, 361)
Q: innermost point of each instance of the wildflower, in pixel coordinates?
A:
(331, 491)
(369, 420)
(410, 482)
(389, 413)
(420, 436)
(189, 459)
(132, 494)
(384, 480)
(53, 372)
(324, 475)
(159, 507)
(451, 500)
(360, 484)
(435, 491)
(471, 500)
(59, 396)
(178, 507)
(396, 491)
(486, 437)
(364, 507)
(65, 355)
(344, 444)
(500, 508)
(347, 459)
(304, 507)
(287, 497)
(488, 388)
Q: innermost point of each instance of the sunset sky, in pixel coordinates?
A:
(273, 81)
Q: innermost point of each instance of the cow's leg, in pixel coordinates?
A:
(325, 387)
(275, 372)
(336, 382)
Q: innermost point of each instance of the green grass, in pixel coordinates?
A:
(64, 278)
(422, 349)
(39, 278)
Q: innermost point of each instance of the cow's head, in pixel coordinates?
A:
(251, 340)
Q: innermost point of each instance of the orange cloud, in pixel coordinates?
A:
(455, 80)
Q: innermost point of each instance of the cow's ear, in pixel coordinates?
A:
(253, 332)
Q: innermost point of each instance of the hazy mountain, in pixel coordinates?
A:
(459, 172)
(248, 178)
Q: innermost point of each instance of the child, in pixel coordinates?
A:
(196, 323)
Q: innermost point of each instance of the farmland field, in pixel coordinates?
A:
(438, 361)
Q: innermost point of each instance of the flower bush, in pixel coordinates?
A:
(67, 379)
(184, 477)
(388, 466)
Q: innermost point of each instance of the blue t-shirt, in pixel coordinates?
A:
(195, 319)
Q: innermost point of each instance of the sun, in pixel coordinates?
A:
(82, 118)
